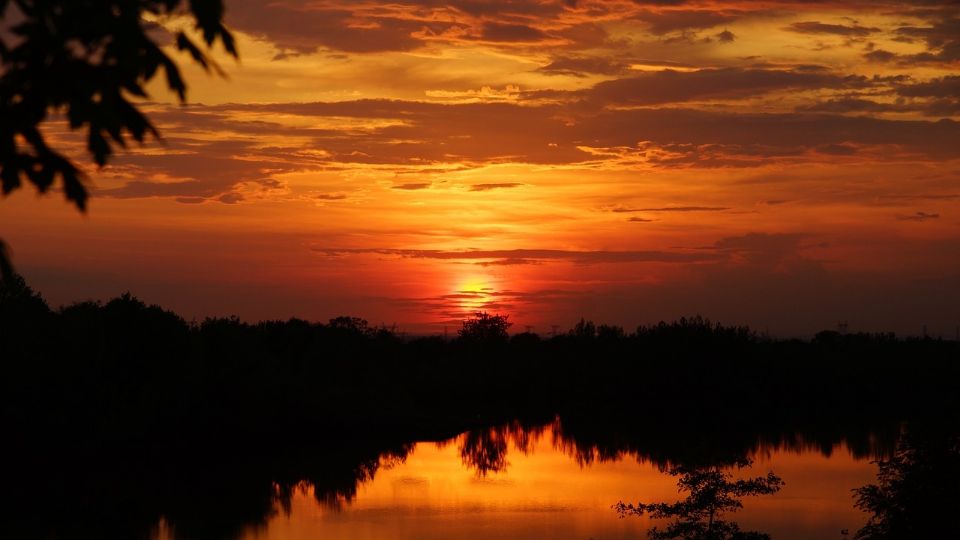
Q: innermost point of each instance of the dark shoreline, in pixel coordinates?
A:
(122, 406)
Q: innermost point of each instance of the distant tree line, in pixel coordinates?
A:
(123, 367)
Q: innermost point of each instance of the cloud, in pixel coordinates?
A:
(924, 197)
(640, 220)
(529, 255)
(622, 209)
(563, 133)
(934, 97)
(662, 22)
(511, 33)
(140, 189)
(508, 262)
(194, 170)
(838, 149)
(581, 66)
(919, 216)
(726, 37)
(880, 55)
(417, 136)
(299, 27)
(669, 86)
(853, 105)
(765, 249)
(412, 186)
(358, 26)
(941, 37)
(485, 93)
(943, 87)
(770, 134)
(364, 26)
(488, 187)
(230, 198)
(814, 27)
(474, 134)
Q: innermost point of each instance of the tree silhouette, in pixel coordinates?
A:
(23, 313)
(485, 328)
(712, 492)
(917, 493)
(86, 60)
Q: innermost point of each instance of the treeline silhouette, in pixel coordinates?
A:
(117, 414)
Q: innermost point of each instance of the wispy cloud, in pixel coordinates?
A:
(414, 186)
(816, 27)
(529, 256)
(489, 187)
(453, 308)
(627, 209)
(919, 216)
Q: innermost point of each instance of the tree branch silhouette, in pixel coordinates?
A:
(712, 493)
(86, 60)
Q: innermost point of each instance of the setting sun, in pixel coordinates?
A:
(474, 294)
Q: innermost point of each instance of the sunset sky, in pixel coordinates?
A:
(787, 165)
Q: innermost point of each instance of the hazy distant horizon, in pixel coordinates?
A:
(197, 304)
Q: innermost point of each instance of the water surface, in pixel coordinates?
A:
(523, 485)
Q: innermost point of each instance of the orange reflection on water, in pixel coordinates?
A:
(545, 493)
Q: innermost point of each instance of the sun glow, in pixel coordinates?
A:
(474, 294)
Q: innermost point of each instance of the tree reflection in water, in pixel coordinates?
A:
(226, 495)
(712, 492)
(485, 450)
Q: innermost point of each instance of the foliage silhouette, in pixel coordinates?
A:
(484, 328)
(86, 59)
(584, 329)
(917, 494)
(712, 492)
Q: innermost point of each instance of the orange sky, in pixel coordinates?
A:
(786, 165)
